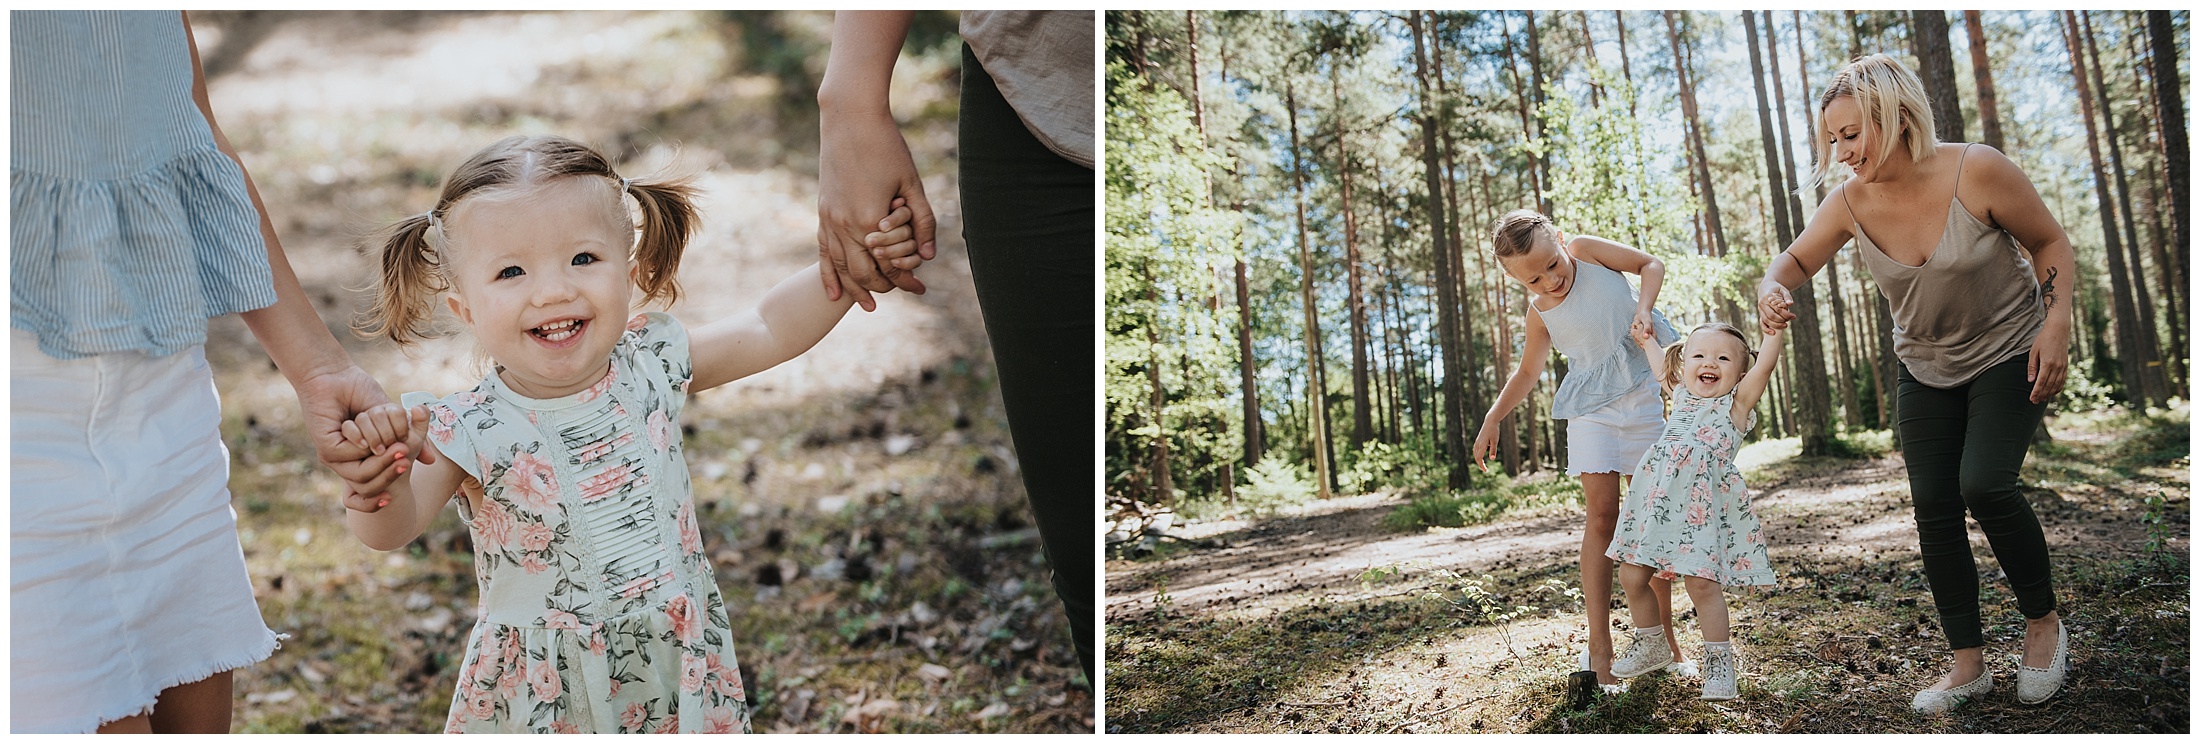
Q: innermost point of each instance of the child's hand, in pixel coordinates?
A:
(1646, 336)
(391, 433)
(1643, 324)
(895, 243)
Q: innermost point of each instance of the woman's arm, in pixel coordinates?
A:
(862, 161)
(1538, 348)
(1757, 378)
(1822, 237)
(790, 320)
(331, 389)
(2012, 204)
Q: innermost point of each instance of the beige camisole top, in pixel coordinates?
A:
(1973, 304)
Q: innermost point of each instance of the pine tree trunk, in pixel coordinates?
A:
(1989, 119)
(2151, 378)
(1316, 423)
(1627, 72)
(1535, 72)
(1447, 303)
(2127, 337)
(1937, 69)
(1469, 362)
(2178, 358)
(1363, 423)
(1695, 137)
(2169, 107)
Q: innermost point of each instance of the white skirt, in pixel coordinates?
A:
(125, 573)
(1612, 439)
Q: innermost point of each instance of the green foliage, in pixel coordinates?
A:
(1274, 484)
(1601, 183)
(1411, 467)
(1165, 245)
(1487, 498)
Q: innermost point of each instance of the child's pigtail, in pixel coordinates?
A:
(1673, 363)
(411, 279)
(668, 222)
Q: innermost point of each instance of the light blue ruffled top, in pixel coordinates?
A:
(129, 227)
(1590, 327)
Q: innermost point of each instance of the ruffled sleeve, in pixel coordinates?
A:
(660, 352)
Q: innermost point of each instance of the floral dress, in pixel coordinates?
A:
(599, 612)
(1687, 514)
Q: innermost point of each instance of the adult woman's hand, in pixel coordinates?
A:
(2050, 360)
(1773, 302)
(863, 163)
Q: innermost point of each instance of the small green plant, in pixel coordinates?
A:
(1275, 483)
(1473, 596)
(1163, 604)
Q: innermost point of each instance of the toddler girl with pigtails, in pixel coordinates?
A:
(599, 612)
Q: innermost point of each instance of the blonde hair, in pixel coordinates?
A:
(1893, 104)
(1673, 350)
(1515, 233)
(415, 252)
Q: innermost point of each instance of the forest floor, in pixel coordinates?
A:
(1324, 620)
(861, 503)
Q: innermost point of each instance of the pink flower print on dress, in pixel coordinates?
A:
(535, 536)
(719, 720)
(602, 386)
(671, 725)
(691, 540)
(660, 430)
(1699, 492)
(635, 717)
(685, 625)
(596, 643)
(493, 526)
(533, 564)
(508, 681)
(691, 673)
(1742, 564)
(1707, 436)
(479, 704)
(1657, 494)
(1686, 549)
(560, 619)
(532, 483)
(597, 451)
(606, 482)
(637, 322)
(729, 680)
(1698, 513)
(440, 423)
(542, 679)
(564, 727)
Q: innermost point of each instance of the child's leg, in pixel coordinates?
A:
(1663, 591)
(1710, 600)
(1642, 609)
(1600, 493)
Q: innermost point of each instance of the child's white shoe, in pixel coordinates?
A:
(1646, 653)
(1718, 672)
(1936, 702)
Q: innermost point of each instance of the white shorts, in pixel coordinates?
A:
(125, 575)
(1612, 439)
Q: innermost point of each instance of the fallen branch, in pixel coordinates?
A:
(2154, 585)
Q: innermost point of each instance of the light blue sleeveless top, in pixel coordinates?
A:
(1590, 328)
(129, 228)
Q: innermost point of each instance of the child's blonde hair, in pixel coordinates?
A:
(1893, 103)
(415, 252)
(1673, 350)
(1515, 233)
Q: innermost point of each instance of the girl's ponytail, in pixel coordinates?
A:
(1673, 363)
(411, 279)
(668, 222)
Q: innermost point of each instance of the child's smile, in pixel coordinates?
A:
(533, 272)
(1545, 269)
(1712, 363)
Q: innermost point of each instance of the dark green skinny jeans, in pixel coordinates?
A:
(1028, 222)
(1964, 446)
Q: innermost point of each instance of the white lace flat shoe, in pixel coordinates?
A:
(2035, 685)
(1645, 654)
(1936, 702)
(1718, 674)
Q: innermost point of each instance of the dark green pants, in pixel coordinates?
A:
(1028, 222)
(1964, 446)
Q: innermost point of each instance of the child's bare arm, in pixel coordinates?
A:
(1623, 257)
(1647, 338)
(1537, 349)
(1758, 377)
(792, 317)
(410, 505)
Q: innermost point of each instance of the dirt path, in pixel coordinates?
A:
(1269, 627)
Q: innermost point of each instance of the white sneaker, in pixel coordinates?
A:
(2035, 685)
(1645, 654)
(1935, 702)
(1718, 673)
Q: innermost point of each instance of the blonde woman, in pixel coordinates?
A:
(1977, 274)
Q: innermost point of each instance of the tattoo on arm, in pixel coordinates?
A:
(2047, 288)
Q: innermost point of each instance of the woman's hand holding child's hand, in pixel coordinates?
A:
(392, 433)
(1643, 324)
(1772, 307)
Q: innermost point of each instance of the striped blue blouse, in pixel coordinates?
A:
(129, 228)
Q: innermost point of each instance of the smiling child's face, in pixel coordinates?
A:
(1712, 362)
(542, 278)
(1545, 268)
